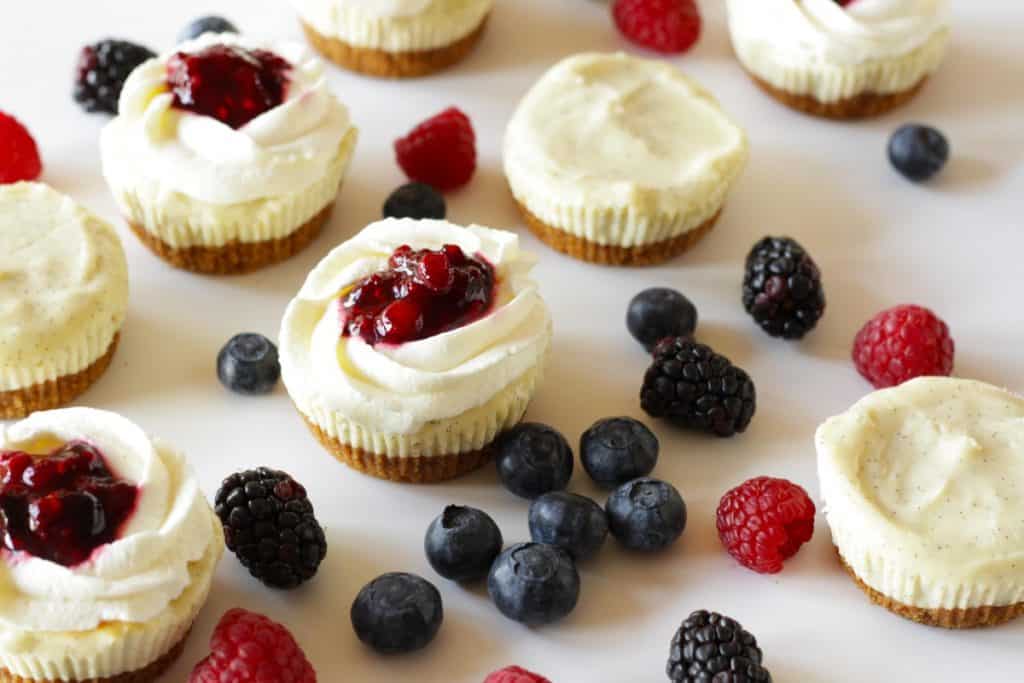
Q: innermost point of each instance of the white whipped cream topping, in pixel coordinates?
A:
(282, 151)
(924, 491)
(137, 576)
(395, 25)
(63, 286)
(798, 31)
(400, 389)
(611, 130)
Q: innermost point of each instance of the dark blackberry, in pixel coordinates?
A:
(269, 524)
(694, 387)
(782, 288)
(102, 70)
(711, 648)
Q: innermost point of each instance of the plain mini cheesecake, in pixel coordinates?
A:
(413, 345)
(619, 160)
(228, 153)
(922, 488)
(108, 551)
(63, 298)
(394, 38)
(840, 58)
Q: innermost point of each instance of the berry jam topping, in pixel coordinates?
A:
(228, 83)
(421, 294)
(62, 506)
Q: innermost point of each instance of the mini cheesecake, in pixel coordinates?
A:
(228, 153)
(394, 38)
(840, 59)
(619, 160)
(109, 550)
(63, 298)
(922, 489)
(413, 345)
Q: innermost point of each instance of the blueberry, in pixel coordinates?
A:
(659, 312)
(533, 459)
(534, 584)
(415, 200)
(918, 151)
(462, 542)
(574, 523)
(397, 613)
(248, 364)
(646, 514)
(618, 449)
(211, 24)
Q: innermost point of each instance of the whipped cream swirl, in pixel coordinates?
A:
(400, 389)
(134, 578)
(280, 152)
(864, 30)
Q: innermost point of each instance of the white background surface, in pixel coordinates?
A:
(955, 245)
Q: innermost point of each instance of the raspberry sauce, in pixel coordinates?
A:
(228, 83)
(62, 506)
(421, 294)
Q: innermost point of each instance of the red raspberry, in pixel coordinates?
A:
(440, 152)
(19, 156)
(514, 674)
(250, 648)
(903, 343)
(764, 521)
(668, 26)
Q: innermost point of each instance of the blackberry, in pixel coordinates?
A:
(782, 288)
(269, 524)
(711, 648)
(694, 387)
(102, 70)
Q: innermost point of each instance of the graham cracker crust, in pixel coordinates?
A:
(611, 255)
(973, 617)
(384, 64)
(148, 674)
(412, 470)
(19, 403)
(235, 258)
(860, 106)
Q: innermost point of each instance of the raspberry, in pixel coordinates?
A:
(764, 521)
(902, 343)
(440, 152)
(19, 156)
(250, 648)
(668, 26)
(515, 674)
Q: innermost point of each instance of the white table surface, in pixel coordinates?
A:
(955, 245)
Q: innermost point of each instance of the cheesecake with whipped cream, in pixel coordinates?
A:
(922, 489)
(394, 38)
(411, 346)
(63, 298)
(228, 153)
(840, 59)
(620, 160)
(106, 585)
